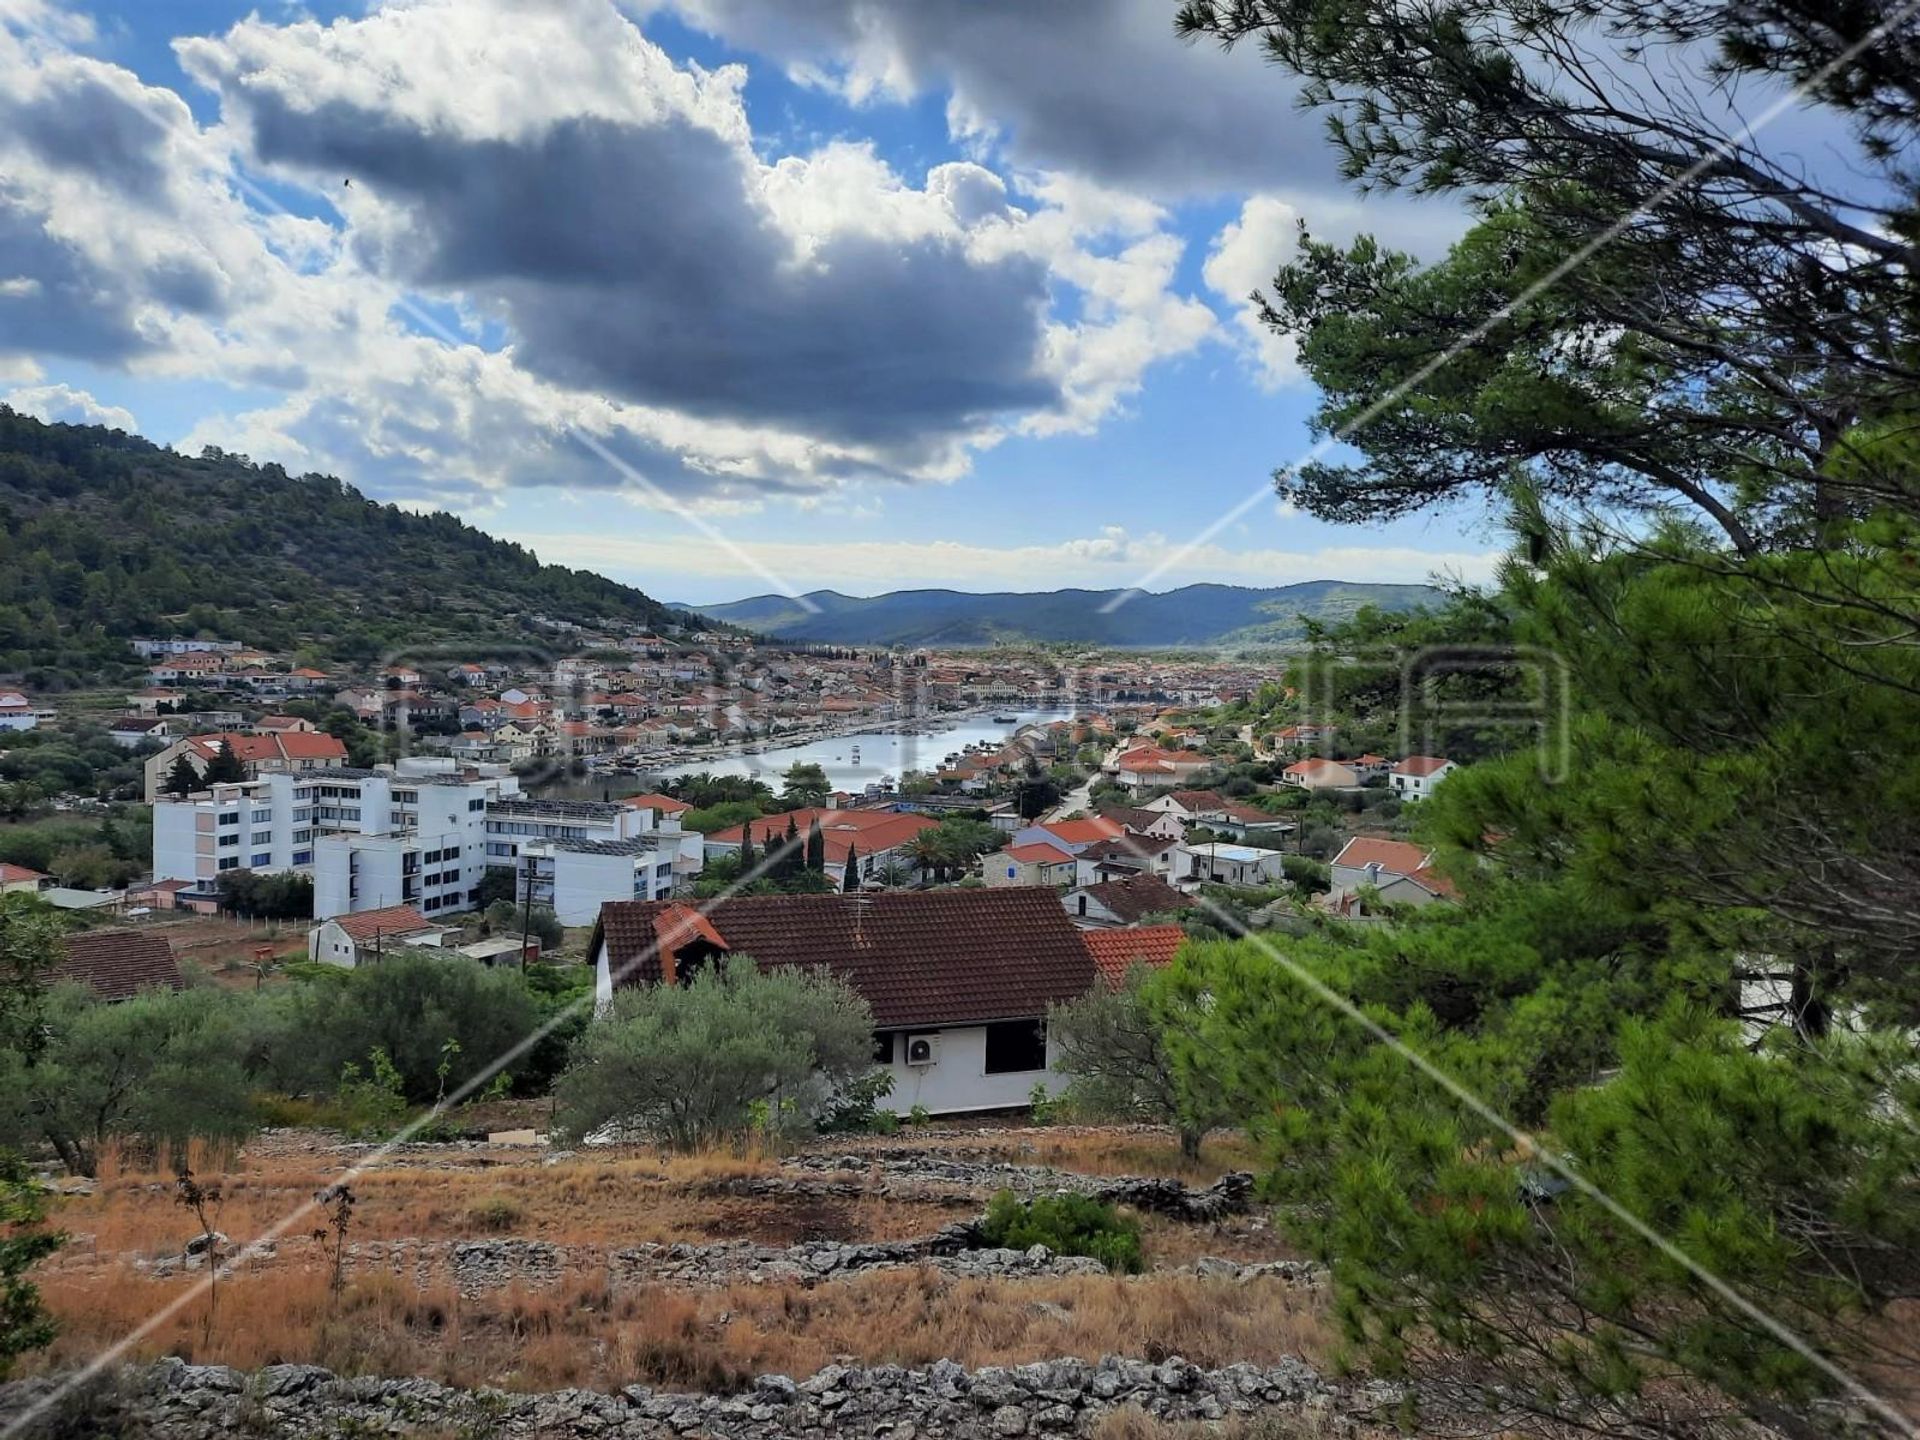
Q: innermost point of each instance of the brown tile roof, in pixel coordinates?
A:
(932, 957)
(118, 964)
(1137, 897)
(391, 923)
(1115, 952)
(1128, 847)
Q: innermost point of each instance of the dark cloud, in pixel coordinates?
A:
(76, 282)
(53, 299)
(638, 259)
(1103, 88)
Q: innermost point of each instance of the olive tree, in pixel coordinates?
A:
(163, 1067)
(1113, 1050)
(733, 1051)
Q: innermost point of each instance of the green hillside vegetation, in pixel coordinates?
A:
(1191, 615)
(104, 535)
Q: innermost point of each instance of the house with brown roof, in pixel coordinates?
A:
(1129, 854)
(1401, 872)
(1123, 902)
(959, 981)
(119, 964)
(346, 940)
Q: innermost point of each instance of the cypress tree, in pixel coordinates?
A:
(747, 857)
(816, 849)
(850, 876)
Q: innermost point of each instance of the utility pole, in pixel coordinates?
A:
(526, 914)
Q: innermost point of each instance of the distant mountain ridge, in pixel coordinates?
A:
(1191, 615)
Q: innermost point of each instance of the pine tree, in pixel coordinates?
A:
(225, 767)
(182, 778)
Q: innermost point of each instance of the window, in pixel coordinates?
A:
(229, 862)
(231, 817)
(303, 857)
(261, 861)
(883, 1047)
(1016, 1045)
(263, 837)
(226, 840)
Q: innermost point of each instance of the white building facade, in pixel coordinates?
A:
(421, 833)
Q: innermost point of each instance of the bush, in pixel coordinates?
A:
(1066, 1225)
(732, 1052)
(494, 1215)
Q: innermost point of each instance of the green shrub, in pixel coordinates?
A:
(1067, 1225)
(494, 1215)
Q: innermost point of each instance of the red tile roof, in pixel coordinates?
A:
(1038, 853)
(1395, 857)
(1084, 832)
(873, 831)
(933, 957)
(287, 745)
(16, 874)
(1420, 765)
(665, 804)
(392, 923)
(118, 964)
(1115, 952)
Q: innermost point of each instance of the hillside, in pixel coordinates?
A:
(105, 535)
(1191, 615)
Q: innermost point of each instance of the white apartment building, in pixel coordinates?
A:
(421, 833)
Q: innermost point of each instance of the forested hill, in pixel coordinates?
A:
(104, 535)
(1191, 615)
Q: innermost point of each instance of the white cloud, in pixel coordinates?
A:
(1242, 262)
(74, 407)
(1113, 558)
(125, 241)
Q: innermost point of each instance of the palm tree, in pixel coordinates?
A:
(928, 850)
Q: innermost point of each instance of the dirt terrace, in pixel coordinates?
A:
(581, 1325)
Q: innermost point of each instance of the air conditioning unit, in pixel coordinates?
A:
(923, 1050)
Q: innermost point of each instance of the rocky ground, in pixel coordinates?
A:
(796, 1295)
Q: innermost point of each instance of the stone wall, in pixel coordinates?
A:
(176, 1401)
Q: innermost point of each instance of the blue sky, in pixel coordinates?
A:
(715, 296)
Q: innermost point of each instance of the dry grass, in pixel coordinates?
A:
(586, 1201)
(1132, 1423)
(586, 1333)
(1089, 1150)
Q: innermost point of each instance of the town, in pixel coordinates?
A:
(883, 720)
(538, 784)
